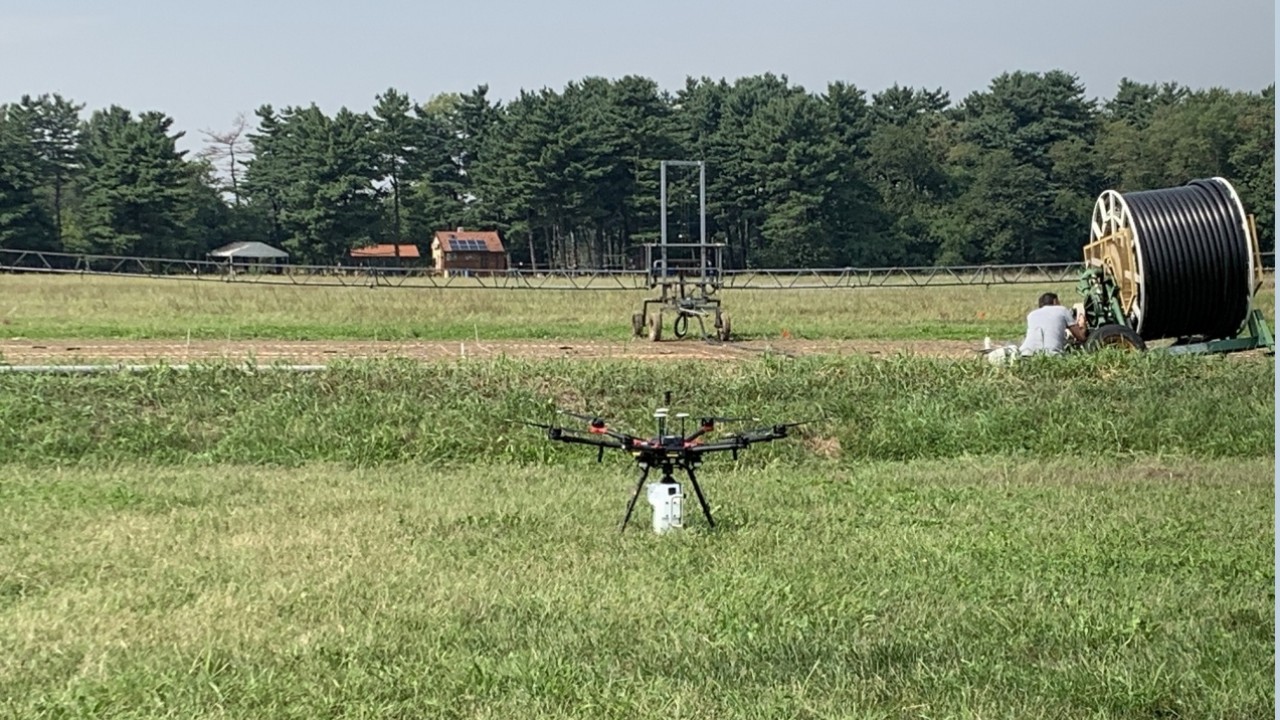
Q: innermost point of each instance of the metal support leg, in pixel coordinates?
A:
(644, 473)
(697, 489)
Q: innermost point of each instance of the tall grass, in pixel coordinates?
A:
(898, 408)
(973, 588)
(92, 307)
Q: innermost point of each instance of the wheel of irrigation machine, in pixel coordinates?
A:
(724, 331)
(1121, 337)
(655, 326)
(637, 324)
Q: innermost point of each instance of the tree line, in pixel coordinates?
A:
(795, 178)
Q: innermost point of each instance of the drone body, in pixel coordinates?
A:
(667, 452)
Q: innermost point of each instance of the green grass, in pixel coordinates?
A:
(980, 587)
(95, 307)
(1080, 537)
(899, 408)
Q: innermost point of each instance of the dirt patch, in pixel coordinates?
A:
(827, 447)
(61, 352)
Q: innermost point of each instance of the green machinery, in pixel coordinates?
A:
(687, 275)
(1178, 264)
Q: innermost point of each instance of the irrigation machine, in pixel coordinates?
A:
(1178, 263)
(687, 275)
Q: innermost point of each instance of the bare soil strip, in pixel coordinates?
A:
(71, 351)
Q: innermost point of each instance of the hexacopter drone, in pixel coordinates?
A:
(665, 451)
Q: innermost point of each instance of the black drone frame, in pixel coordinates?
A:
(667, 452)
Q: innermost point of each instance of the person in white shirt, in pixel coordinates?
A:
(1048, 327)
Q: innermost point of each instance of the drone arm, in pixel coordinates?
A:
(763, 435)
(743, 440)
(733, 442)
(624, 440)
(698, 433)
(600, 442)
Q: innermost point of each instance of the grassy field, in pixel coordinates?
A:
(985, 587)
(1084, 538)
(93, 307)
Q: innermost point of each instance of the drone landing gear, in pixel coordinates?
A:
(667, 478)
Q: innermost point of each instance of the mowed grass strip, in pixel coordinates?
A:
(34, 306)
(982, 587)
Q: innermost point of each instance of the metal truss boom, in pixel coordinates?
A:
(35, 261)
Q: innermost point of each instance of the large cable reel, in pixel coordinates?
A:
(1184, 260)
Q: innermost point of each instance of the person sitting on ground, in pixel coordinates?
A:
(1047, 328)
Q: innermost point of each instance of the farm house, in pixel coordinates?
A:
(468, 252)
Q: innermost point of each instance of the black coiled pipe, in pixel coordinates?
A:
(1195, 260)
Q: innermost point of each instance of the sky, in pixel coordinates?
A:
(205, 63)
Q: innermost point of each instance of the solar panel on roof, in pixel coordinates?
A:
(468, 245)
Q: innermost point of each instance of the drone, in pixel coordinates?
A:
(665, 451)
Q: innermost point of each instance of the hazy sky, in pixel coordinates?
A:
(203, 63)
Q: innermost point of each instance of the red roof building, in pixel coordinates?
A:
(386, 251)
(468, 252)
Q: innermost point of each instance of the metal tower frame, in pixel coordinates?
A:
(686, 297)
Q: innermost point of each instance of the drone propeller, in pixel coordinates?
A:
(553, 432)
(778, 430)
(781, 429)
(551, 429)
(596, 423)
(716, 419)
